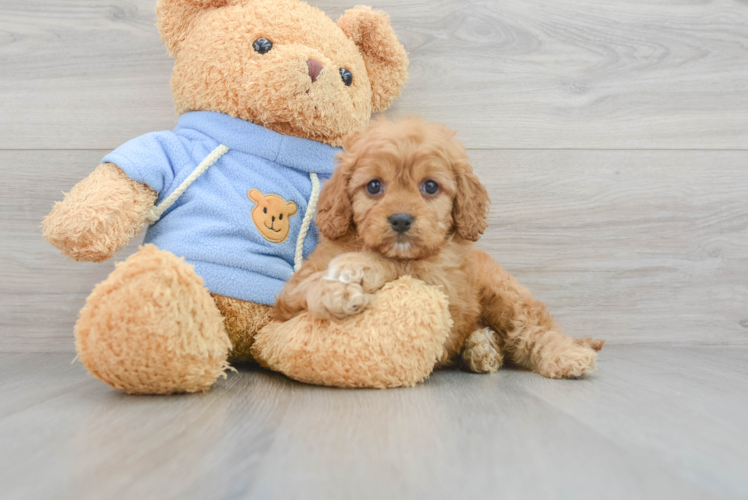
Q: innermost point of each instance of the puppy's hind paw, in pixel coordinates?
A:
(481, 352)
(595, 344)
(575, 361)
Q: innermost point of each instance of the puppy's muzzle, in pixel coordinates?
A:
(401, 222)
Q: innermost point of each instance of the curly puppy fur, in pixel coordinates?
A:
(362, 250)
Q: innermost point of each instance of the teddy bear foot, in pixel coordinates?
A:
(394, 343)
(152, 327)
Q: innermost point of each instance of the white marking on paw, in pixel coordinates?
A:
(347, 275)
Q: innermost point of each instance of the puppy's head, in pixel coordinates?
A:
(404, 188)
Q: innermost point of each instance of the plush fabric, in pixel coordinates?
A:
(143, 350)
(211, 224)
(216, 67)
(99, 216)
(394, 343)
(152, 326)
(242, 321)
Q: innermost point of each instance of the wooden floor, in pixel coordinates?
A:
(654, 422)
(613, 138)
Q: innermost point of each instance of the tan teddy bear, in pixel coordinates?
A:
(266, 90)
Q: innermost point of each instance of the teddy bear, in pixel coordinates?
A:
(266, 91)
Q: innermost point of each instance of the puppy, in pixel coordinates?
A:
(404, 201)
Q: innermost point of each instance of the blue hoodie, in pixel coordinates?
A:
(211, 223)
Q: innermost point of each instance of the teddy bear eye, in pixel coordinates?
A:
(262, 45)
(280, 217)
(374, 187)
(265, 210)
(347, 76)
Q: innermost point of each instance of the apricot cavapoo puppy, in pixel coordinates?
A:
(404, 201)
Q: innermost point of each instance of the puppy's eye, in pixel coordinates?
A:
(347, 76)
(265, 210)
(374, 187)
(262, 45)
(430, 187)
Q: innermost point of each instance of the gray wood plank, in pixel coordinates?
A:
(645, 246)
(91, 74)
(26, 379)
(42, 291)
(652, 422)
(96, 442)
(697, 393)
(631, 246)
(458, 436)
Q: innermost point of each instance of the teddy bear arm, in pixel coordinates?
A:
(100, 215)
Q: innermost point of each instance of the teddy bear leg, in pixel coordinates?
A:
(396, 342)
(242, 321)
(152, 327)
(481, 352)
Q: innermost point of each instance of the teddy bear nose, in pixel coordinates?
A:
(315, 68)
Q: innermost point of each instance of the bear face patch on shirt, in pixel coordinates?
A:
(272, 215)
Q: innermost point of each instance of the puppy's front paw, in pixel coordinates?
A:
(346, 271)
(573, 362)
(336, 299)
(356, 268)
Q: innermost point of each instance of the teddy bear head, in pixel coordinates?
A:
(283, 64)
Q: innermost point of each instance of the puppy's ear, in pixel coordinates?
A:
(385, 58)
(335, 212)
(470, 208)
(175, 18)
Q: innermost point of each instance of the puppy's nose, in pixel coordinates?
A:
(401, 222)
(315, 68)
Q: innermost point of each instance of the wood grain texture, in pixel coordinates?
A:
(653, 422)
(629, 246)
(91, 74)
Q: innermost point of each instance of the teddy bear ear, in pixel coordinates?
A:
(292, 208)
(175, 18)
(385, 58)
(254, 195)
